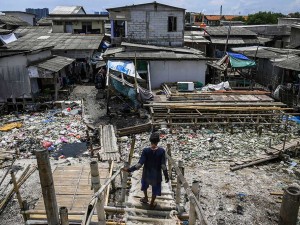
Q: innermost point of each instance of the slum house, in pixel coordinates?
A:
(11, 22)
(45, 21)
(223, 38)
(196, 40)
(157, 64)
(149, 23)
(295, 37)
(30, 18)
(272, 70)
(26, 74)
(24, 30)
(83, 48)
(271, 35)
(74, 19)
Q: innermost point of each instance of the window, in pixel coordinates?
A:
(57, 23)
(172, 23)
(87, 27)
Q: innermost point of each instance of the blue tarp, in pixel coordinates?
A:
(238, 56)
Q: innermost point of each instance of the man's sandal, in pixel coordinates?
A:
(144, 201)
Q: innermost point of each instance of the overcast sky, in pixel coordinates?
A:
(242, 7)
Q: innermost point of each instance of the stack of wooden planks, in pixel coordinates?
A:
(108, 144)
(134, 129)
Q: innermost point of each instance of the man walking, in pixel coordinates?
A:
(154, 160)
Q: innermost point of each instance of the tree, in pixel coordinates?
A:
(187, 17)
(295, 15)
(263, 18)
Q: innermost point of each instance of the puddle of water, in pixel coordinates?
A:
(72, 149)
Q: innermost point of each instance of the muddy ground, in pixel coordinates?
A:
(240, 197)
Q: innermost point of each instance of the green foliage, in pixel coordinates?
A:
(239, 18)
(295, 15)
(187, 17)
(263, 18)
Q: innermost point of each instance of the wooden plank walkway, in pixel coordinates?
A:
(165, 204)
(108, 142)
(73, 188)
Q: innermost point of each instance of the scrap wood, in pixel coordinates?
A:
(277, 193)
(134, 129)
(24, 176)
(254, 162)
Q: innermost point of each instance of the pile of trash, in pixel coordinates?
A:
(203, 146)
(52, 130)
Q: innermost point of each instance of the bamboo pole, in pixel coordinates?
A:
(111, 166)
(95, 180)
(131, 150)
(124, 182)
(178, 186)
(63, 212)
(169, 163)
(16, 189)
(47, 185)
(192, 212)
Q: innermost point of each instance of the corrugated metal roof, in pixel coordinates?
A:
(144, 4)
(161, 48)
(54, 64)
(223, 31)
(233, 40)
(59, 41)
(4, 31)
(292, 63)
(12, 20)
(158, 55)
(266, 52)
(24, 30)
(67, 9)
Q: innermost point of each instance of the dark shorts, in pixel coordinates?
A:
(156, 190)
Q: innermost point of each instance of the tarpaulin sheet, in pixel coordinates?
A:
(127, 91)
(238, 56)
(240, 63)
(10, 126)
(8, 38)
(125, 67)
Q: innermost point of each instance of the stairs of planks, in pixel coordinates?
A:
(139, 213)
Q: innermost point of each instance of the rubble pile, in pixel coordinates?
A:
(51, 130)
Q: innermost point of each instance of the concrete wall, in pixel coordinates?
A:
(288, 21)
(58, 28)
(23, 16)
(149, 24)
(174, 71)
(152, 27)
(295, 36)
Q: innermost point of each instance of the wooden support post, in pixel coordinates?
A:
(284, 141)
(63, 212)
(16, 189)
(124, 182)
(111, 166)
(47, 185)
(290, 206)
(192, 213)
(178, 186)
(270, 143)
(113, 184)
(95, 180)
(91, 142)
(131, 150)
(169, 163)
